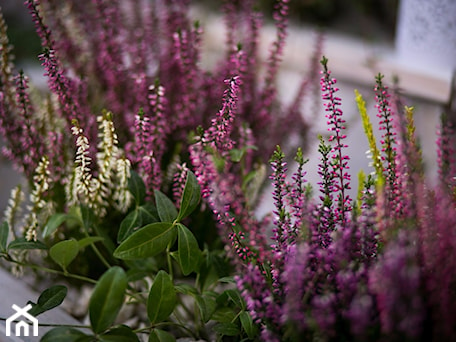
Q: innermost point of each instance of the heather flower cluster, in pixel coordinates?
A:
(358, 270)
(145, 172)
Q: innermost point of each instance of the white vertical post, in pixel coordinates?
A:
(426, 34)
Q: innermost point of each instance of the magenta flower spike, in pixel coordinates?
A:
(336, 125)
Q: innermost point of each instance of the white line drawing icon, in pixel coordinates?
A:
(22, 325)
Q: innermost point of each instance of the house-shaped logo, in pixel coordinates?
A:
(22, 327)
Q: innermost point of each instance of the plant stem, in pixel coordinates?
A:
(170, 262)
(50, 270)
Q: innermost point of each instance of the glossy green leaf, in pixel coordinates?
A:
(248, 325)
(4, 232)
(165, 207)
(158, 335)
(64, 252)
(137, 187)
(63, 334)
(54, 222)
(107, 299)
(136, 219)
(121, 333)
(146, 242)
(190, 196)
(22, 243)
(83, 243)
(226, 329)
(49, 299)
(162, 298)
(189, 254)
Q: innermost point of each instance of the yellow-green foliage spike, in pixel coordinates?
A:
(367, 125)
(411, 138)
(359, 197)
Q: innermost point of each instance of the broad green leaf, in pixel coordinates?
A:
(64, 252)
(236, 154)
(162, 298)
(136, 219)
(83, 243)
(49, 299)
(53, 223)
(4, 232)
(224, 315)
(190, 196)
(206, 306)
(165, 207)
(248, 325)
(235, 296)
(137, 187)
(119, 334)
(228, 280)
(22, 243)
(146, 242)
(128, 225)
(226, 329)
(189, 253)
(107, 299)
(148, 213)
(186, 289)
(88, 216)
(158, 335)
(63, 334)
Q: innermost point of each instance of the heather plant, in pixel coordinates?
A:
(144, 172)
(365, 269)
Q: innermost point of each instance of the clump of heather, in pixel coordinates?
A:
(365, 269)
(141, 61)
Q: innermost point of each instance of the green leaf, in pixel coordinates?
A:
(128, 225)
(64, 252)
(53, 223)
(226, 329)
(189, 254)
(4, 232)
(49, 299)
(139, 217)
(235, 296)
(190, 197)
(137, 187)
(107, 299)
(224, 315)
(186, 289)
(165, 207)
(119, 334)
(158, 335)
(237, 154)
(83, 243)
(162, 298)
(247, 324)
(88, 216)
(146, 242)
(63, 334)
(206, 306)
(22, 243)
